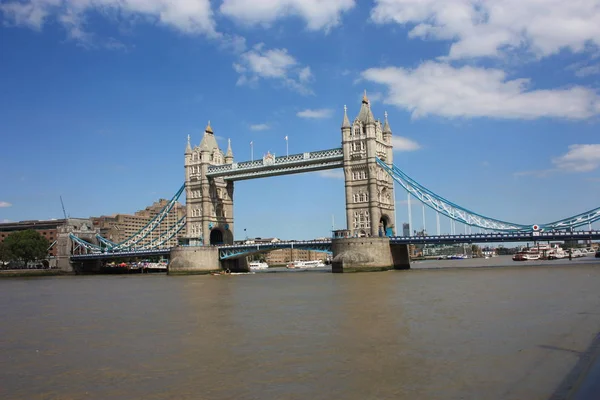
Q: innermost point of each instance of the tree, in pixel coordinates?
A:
(476, 250)
(3, 253)
(26, 246)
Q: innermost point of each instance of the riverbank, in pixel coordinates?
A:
(20, 273)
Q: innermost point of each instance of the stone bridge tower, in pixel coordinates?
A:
(209, 201)
(370, 204)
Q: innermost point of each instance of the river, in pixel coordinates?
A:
(514, 332)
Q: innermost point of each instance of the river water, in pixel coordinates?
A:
(483, 333)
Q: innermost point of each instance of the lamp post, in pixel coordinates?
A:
(286, 146)
(251, 152)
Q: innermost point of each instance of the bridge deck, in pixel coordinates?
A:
(239, 250)
(284, 165)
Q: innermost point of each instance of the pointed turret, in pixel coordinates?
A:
(386, 125)
(229, 155)
(365, 115)
(208, 129)
(188, 148)
(208, 143)
(346, 121)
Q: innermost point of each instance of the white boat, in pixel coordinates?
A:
(589, 252)
(305, 264)
(576, 253)
(257, 265)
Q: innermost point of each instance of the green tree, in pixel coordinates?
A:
(26, 246)
(3, 253)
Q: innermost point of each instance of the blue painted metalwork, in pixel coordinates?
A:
(498, 237)
(465, 216)
(166, 236)
(82, 245)
(119, 254)
(242, 250)
(148, 228)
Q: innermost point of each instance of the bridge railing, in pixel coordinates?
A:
(499, 237)
(279, 243)
(215, 170)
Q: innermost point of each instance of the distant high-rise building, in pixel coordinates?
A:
(405, 229)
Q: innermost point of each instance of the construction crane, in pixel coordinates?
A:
(63, 207)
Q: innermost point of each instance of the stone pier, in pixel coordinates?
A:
(368, 254)
(194, 260)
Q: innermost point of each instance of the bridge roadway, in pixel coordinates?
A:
(239, 250)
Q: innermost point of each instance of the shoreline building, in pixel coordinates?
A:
(119, 227)
(284, 256)
(46, 228)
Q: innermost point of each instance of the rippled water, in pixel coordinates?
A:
(499, 333)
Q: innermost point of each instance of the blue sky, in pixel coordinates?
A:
(494, 105)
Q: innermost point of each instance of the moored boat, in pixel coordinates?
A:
(257, 265)
(305, 264)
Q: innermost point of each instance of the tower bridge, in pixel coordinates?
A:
(370, 241)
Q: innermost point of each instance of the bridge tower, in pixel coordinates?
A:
(209, 201)
(370, 208)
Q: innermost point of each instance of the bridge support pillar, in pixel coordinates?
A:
(368, 254)
(81, 228)
(190, 260)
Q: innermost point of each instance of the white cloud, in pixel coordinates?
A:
(579, 158)
(332, 173)
(5, 204)
(488, 28)
(315, 114)
(259, 127)
(187, 16)
(274, 64)
(404, 144)
(583, 69)
(318, 14)
(305, 75)
(440, 89)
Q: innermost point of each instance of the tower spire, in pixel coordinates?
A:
(188, 148)
(386, 125)
(208, 128)
(365, 115)
(345, 122)
(229, 154)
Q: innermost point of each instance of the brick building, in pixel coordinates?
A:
(47, 228)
